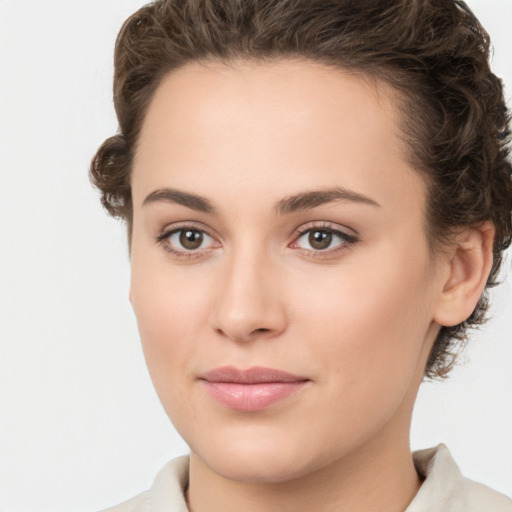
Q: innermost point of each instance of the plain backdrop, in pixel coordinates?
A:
(80, 425)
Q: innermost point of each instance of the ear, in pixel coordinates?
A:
(468, 267)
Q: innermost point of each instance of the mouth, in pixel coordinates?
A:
(252, 389)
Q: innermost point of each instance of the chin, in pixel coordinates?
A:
(260, 461)
(260, 468)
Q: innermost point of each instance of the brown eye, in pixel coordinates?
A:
(187, 240)
(320, 240)
(190, 239)
(323, 240)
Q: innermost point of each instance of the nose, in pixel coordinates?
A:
(249, 304)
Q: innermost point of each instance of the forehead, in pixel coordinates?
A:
(284, 93)
(276, 127)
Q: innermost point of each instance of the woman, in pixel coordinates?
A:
(317, 195)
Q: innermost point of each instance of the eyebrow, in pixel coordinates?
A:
(298, 202)
(170, 195)
(308, 200)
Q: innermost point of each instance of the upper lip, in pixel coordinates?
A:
(253, 375)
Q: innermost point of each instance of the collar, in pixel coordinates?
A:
(443, 481)
(444, 488)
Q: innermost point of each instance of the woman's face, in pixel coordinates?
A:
(278, 227)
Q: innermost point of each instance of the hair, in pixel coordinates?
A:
(433, 53)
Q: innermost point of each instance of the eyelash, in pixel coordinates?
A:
(346, 240)
(163, 240)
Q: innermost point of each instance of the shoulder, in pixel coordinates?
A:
(445, 488)
(481, 498)
(166, 493)
(139, 503)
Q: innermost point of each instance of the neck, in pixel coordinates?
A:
(378, 475)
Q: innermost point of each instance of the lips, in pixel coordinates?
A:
(253, 389)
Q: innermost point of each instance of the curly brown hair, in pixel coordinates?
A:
(434, 53)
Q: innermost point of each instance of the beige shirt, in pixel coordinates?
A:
(444, 488)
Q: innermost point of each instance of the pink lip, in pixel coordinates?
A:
(252, 389)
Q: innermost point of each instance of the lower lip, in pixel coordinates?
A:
(252, 397)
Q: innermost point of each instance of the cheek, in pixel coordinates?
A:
(369, 326)
(172, 316)
(169, 305)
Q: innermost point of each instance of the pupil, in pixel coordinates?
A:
(191, 239)
(320, 239)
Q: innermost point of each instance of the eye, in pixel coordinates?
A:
(319, 240)
(186, 241)
(322, 239)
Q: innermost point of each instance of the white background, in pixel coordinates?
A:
(80, 425)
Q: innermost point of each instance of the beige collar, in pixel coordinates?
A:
(444, 488)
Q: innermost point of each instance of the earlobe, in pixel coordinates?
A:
(469, 266)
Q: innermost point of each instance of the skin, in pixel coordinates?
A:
(357, 319)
